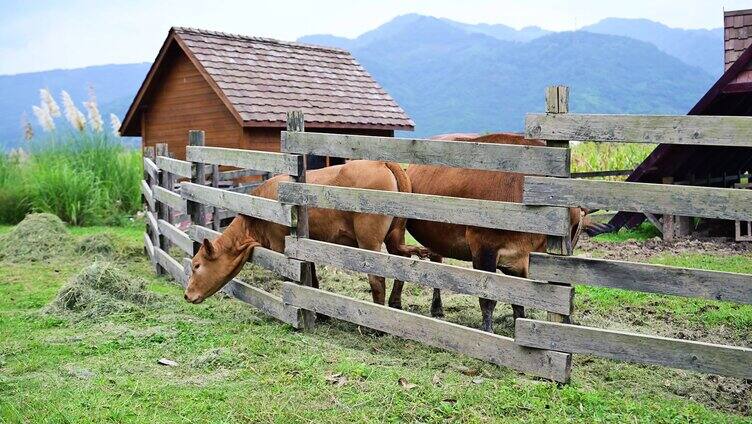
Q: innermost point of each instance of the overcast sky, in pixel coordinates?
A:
(40, 35)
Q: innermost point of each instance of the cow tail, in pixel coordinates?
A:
(395, 238)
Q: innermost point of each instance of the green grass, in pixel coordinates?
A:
(644, 231)
(591, 156)
(237, 365)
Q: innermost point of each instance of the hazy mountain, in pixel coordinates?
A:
(698, 47)
(114, 85)
(452, 77)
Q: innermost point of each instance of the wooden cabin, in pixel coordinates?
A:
(238, 90)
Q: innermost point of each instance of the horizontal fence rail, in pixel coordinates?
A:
(475, 343)
(148, 195)
(715, 285)
(151, 168)
(265, 258)
(454, 210)
(496, 286)
(276, 163)
(682, 129)
(246, 204)
(536, 160)
(170, 198)
(176, 236)
(177, 167)
(695, 356)
(172, 266)
(705, 202)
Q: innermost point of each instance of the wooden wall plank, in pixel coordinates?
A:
(179, 238)
(177, 167)
(535, 160)
(497, 286)
(445, 335)
(276, 163)
(695, 356)
(706, 202)
(480, 213)
(172, 266)
(148, 195)
(258, 207)
(677, 129)
(265, 258)
(649, 278)
(169, 198)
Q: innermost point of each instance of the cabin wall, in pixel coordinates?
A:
(184, 101)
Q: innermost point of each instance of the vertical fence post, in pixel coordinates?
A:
(163, 211)
(198, 176)
(296, 122)
(150, 153)
(557, 101)
(216, 221)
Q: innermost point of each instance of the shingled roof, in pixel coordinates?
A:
(260, 79)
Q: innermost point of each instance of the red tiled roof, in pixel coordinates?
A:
(264, 78)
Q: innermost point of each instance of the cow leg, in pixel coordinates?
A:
(378, 288)
(437, 308)
(485, 260)
(395, 298)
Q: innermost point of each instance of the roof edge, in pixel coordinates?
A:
(343, 125)
(267, 40)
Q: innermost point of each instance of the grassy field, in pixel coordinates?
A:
(234, 364)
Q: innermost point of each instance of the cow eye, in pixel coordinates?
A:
(195, 267)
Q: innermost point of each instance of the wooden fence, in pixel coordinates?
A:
(540, 348)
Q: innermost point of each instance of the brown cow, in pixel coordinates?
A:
(219, 261)
(488, 249)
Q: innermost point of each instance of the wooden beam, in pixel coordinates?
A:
(151, 169)
(687, 282)
(240, 173)
(489, 285)
(177, 167)
(595, 174)
(245, 204)
(149, 246)
(266, 302)
(681, 129)
(151, 222)
(655, 221)
(148, 195)
(454, 210)
(179, 238)
(276, 163)
(694, 356)
(172, 266)
(263, 257)
(536, 160)
(170, 198)
(706, 202)
(444, 335)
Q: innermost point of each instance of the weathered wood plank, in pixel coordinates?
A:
(170, 198)
(172, 266)
(151, 169)
(258, 207)
(445, 335)
(535, 160)
(151, 221)
(480, 213)
(245, 188)
(595, 174)
(148, 195)
(265, 258)
(675, 129)
(695, 356)
(179, 238)
(149, 246)
(276, 163)
(239, 173)
(706, 202)
(265, 302)
(687, 282)
(497, 286)
(174, 166)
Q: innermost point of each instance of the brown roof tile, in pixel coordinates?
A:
(264, 78)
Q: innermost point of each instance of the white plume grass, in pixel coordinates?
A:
(115, 124)
(44, 118)
(49, 102)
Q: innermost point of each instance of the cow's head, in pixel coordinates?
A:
(214, 265)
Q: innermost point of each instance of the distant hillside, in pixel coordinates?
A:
(698, 47)
(450, 79)
(451, 76)
(114, 85)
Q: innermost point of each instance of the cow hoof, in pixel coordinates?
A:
(437, 313)
(395, 305)
(488, 328)
(322, 318)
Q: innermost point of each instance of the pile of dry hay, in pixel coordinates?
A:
(101, 289)
(39, 237)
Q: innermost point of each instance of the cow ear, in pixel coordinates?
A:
(208, 249)
(246, 246)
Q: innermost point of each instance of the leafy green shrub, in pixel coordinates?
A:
(14, 195)
(72, 194)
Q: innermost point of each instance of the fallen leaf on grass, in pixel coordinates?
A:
(436, 380)
(479, 380)
(403, 382)
(467, 371)
(167, 362)
(337, 380)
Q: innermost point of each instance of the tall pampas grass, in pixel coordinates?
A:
(49, 102)
(28, 130)
(95, 118)
(72, 114)
(44, 118)
(115, 124)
